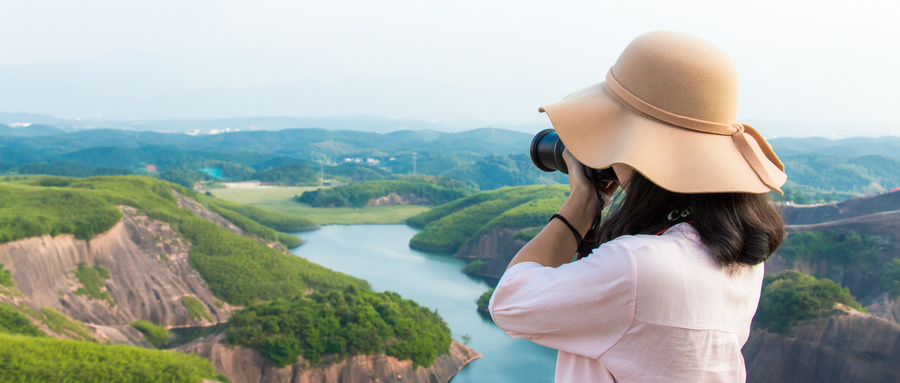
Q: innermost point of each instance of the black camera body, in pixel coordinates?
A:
(547, 154)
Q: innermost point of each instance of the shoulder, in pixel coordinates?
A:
(677, 239)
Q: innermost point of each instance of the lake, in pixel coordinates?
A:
(381, 255)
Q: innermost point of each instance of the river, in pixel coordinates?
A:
(381, 255)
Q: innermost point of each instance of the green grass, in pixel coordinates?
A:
(30, 359)
(195, 307)
(260, 195)
(91, 279)
(449, 226)
(279, 199)
(61, 324)
(157, 335)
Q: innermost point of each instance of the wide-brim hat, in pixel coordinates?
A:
(668, 109)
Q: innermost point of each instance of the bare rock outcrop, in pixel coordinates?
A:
(394, 199)
(497, 247)
(148, 275)
(243, 365)
(846, 346)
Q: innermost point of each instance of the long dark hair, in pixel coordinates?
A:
(738, 228)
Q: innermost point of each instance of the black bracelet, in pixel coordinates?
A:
(577, 235)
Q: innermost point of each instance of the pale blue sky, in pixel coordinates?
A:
(486, 61)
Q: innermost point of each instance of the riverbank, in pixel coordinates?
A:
(279, 199)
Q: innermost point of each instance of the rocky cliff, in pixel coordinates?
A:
(497, 247)
(148, 275)
(846, 346)
(242, 365)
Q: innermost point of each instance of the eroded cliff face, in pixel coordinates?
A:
(847, 346)
(497, 247)
(243, 365)
(148, 275)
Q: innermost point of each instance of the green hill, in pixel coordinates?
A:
(239, 270)
(447, 227)
(434, 190)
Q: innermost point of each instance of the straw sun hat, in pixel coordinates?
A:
(668, 109)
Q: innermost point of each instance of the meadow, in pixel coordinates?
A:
(279, 199)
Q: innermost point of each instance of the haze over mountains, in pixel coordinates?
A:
(139, 90)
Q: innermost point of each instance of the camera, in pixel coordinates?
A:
(547, 154)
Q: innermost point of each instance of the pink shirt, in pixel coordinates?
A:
(641, 308)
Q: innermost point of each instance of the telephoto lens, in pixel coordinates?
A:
(547, 154)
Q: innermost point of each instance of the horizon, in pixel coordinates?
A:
(823, 70)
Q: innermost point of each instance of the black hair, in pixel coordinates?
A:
(738, 228)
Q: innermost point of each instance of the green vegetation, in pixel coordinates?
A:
(243, 271)
(327, 327)
(484, 300)
(6, 278)
(60, 323)
(196, 308)
(217, 254)
(890, 278)
(847, 249)
(473, 267)
(816, 177)
(157, 335)
(47, 208)
(13, 321)
(279, 221)
(250, 225)
(449, 226)
(280, 199)
(436, 190)
(91, 279)
(792, 296)
(30, 359)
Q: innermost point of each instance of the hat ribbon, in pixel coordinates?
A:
(737, 131)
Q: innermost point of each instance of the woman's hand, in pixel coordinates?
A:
(555, 245)
(582, 204)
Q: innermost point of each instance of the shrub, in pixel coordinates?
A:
(342, 323)
(890, 278)
(157, 335)
(195, 307)
(792, 296)
(848, 249)
(91, 279)
(13, 321)
(473, 267)
(29, 359)
(484, 300)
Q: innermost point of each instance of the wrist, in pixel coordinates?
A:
(580, 212)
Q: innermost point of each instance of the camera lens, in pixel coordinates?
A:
(547, 154)
(547, 150)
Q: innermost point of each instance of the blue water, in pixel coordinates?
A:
(381, 255)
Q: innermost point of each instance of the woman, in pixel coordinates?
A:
(669, 294)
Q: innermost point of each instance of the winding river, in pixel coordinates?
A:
(380, 254)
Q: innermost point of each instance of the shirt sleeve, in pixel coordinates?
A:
(583, 307)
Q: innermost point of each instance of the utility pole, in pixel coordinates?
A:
(414, 163)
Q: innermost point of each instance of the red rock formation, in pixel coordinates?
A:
(243, 365)
(142, 283)
(847, 346)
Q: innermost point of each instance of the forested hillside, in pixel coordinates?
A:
(407, 190)
(239, 270)
(819, 170)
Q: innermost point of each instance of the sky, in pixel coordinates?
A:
(828, 66)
